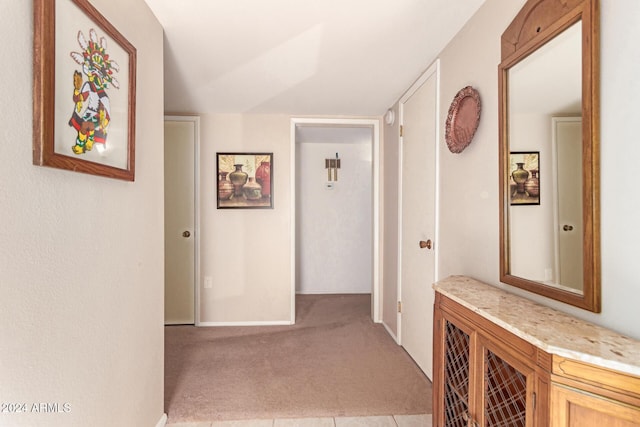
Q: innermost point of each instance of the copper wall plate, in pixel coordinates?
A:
(463, 119)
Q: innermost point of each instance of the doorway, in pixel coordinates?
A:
(181, 153)
(335, 250)
(417, 218)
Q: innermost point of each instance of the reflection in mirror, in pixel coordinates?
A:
(545, 220)
(567, 185)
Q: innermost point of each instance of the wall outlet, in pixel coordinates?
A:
(208, 282)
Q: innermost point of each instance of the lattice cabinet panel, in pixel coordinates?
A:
(494, 368)
(456, 376)
(505, 393)
(484, 375)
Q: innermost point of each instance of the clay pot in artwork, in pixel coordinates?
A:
(263, 177)
(225, 187)
(520, 176)
(532, 185)
(238, 178)
(252, 190)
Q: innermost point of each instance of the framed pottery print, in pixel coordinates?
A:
(245, 180)
(84, 91)
(524, 178)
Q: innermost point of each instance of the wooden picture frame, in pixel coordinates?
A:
(84, 91)
(524, 178)
(245, 180)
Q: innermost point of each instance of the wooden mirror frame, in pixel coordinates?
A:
(537, 23)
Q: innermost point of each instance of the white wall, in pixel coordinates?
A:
(619, 154)
(247, 252)
(531, 226)
(81, 277)
(334, 224)
(469, 181)
(390, 241)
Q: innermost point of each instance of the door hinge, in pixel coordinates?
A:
(401, 130)
(399, 307)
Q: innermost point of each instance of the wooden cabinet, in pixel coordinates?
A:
(483, 374)
(583, 395)
(575, 408)
(504, 361)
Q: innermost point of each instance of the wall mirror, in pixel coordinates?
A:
(549, 151)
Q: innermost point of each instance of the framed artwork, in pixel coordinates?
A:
(245, 180)
(524, 178)
(84, 91)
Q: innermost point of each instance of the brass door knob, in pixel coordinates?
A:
(424, 244)
(186, 234)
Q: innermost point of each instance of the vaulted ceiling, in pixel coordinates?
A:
(305, 57)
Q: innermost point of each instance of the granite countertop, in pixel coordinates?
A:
(551, 330)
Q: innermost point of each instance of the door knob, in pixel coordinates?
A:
(186, 234)
(424, 244)
(567, 227)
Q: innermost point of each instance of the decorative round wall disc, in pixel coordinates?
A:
(463, 119)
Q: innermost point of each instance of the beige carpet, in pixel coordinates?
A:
(334, 362)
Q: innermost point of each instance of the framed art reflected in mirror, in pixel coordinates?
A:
(524, 178)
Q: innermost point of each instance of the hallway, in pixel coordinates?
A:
(334, 362)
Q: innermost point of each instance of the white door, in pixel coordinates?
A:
(418, 185)
(179, 216)
(568, 140)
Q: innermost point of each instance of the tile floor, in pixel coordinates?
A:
(423, 420)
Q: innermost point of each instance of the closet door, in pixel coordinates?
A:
(180, 135)
(417, 255)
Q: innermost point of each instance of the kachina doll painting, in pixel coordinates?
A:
(86, 113)
(245, 180)
(92, 110)
(96, 98)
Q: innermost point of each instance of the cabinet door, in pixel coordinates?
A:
(453, 340)
(574, 408)
(483, 374)
(456, 376)
(507, 388)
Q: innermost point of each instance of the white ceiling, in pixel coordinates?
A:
(305, 57)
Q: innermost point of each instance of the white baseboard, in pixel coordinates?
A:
(332, 292)
(163, 421)
(258, 323)
(390, 332)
